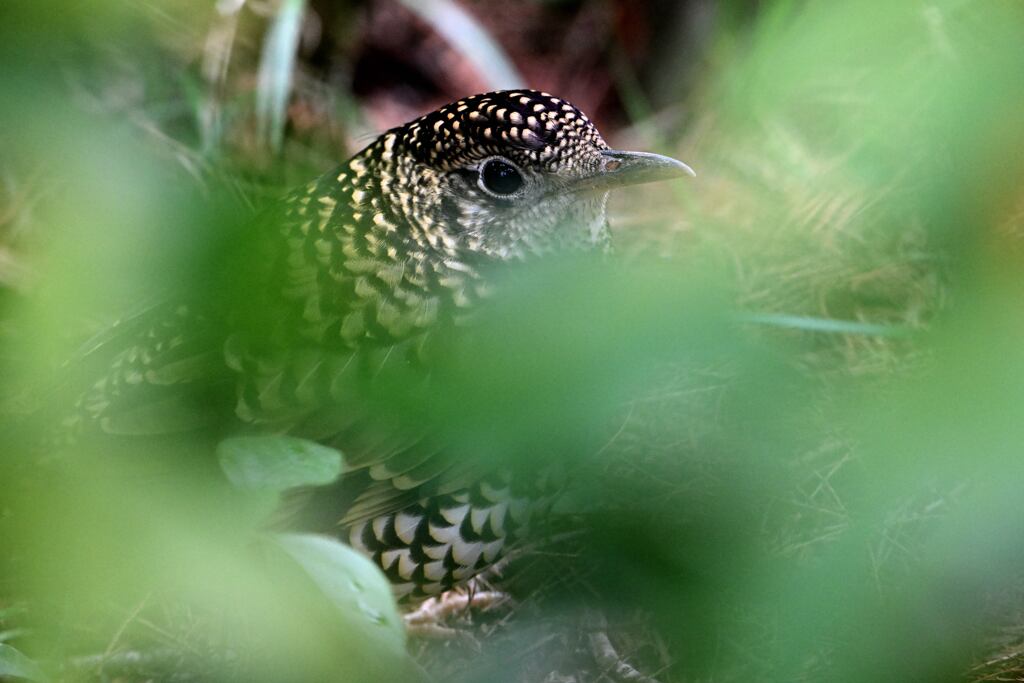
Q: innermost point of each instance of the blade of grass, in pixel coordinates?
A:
(466, 35)
(827, 325)
(276, 71)
(217, 51)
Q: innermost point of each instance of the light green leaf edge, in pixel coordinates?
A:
(353, 584)
(277, 462)
(13, 664)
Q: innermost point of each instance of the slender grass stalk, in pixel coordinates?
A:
(276, 71)
(467, 36)
(827, 325)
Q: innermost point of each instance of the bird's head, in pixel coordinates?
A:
(506, 174)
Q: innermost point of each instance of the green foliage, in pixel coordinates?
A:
(355, 588)
(277, 463)
(15, 665)
(793, 432)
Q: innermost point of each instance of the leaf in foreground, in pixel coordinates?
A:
(353, 585)
(277, 463)
(14, 664)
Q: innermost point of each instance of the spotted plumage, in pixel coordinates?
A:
(440, 541)
(351, 280)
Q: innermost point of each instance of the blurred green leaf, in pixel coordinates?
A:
(16, 665)
(838, 144)
(277, 462)
(12, 634)
(354, 586)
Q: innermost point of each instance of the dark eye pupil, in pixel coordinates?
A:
(501, 178)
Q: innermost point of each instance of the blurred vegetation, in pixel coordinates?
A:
(791, 406)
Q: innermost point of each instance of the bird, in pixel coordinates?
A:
(353, 274)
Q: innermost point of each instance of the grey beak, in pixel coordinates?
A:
(632, 168)
(621, 169)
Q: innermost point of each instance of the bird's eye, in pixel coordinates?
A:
(499, 177)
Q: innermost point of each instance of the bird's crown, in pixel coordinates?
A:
(531, 128)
